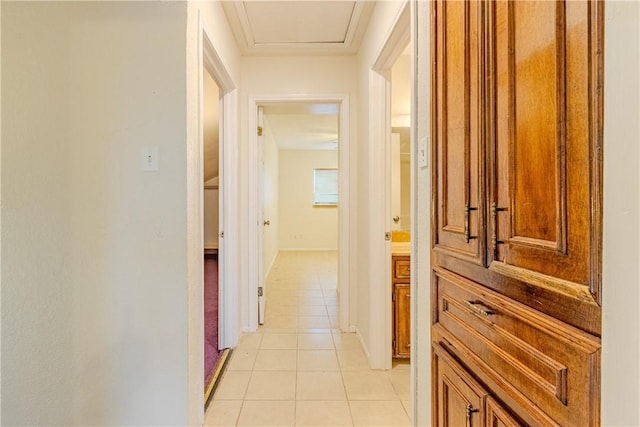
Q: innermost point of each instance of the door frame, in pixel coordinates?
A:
(228, 333)
(227, 294)
(380, 352)
(347, 313)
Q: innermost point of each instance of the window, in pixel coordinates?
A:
(325, 187)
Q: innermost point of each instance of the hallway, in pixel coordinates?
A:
(298, 369)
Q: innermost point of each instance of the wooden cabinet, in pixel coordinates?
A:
(517, 213)
(401, 275)
(461, 400)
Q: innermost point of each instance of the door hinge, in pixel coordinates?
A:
(259, 130)
(221, 234)
(387, 235)
(260, 291)
(393, 297)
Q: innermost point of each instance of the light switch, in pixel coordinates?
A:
(150, 158)
(423, 152)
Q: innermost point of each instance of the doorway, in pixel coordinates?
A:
(256, 214)
(214, 354)
(299, 174)
(211, 68)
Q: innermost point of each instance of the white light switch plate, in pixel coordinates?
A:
(150, 159)
(423, 152)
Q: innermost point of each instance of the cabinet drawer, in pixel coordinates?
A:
(401, 267)
(535, 357)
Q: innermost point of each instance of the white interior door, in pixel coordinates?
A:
(396, 201)
(262, 223)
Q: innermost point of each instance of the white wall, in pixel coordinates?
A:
(420, 217)
(298, 75)
(211, 126)
(302, 225)
(94, 304)
(621, 251)
(271, 197)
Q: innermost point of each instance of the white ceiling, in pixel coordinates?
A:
(298, 27)
(303, 126)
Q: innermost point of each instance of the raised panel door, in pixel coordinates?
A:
(460, 400)
(497, 416)
(402, 320)
(545, 180)
(458, 130)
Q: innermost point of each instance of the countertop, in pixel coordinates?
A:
(400, 248)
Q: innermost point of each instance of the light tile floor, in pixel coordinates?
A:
(299, 369)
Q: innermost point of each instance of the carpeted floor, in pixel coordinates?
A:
(211, 352)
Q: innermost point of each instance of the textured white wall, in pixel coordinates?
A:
(621, 250)
(421, 284)
(303, 226)
(94, 307)
(211, 126)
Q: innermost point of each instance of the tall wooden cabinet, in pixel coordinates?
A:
(517, 215)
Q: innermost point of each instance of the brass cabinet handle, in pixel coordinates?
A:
(470, 411)
(494, 223)
(267, 222)
(396, 219)
(479, 308)
(467, 232)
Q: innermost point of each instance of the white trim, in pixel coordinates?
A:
(228, 258)
(380, 202)
(344, 245)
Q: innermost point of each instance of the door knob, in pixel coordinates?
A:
(267, 222)
(396, 219)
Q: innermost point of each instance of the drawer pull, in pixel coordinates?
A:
(467, 233)
(479, 308)
(470, 411)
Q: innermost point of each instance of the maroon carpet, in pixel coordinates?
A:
(211, 352)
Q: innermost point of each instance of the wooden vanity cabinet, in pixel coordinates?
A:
(516, 119)
(401, 299)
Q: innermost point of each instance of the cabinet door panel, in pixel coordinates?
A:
(460, 399)
(458, 131)
(498, 417)
(545, 185)
(402, 320)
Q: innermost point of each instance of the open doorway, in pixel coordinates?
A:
(400, 201)
(256, 215)
(214, 355)
(299, 169)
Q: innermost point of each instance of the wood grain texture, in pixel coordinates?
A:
(497, 416)
(401, 289)
(541, 358)
(517, 133)
(543, 141)
(459, 130)
(461, 399)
